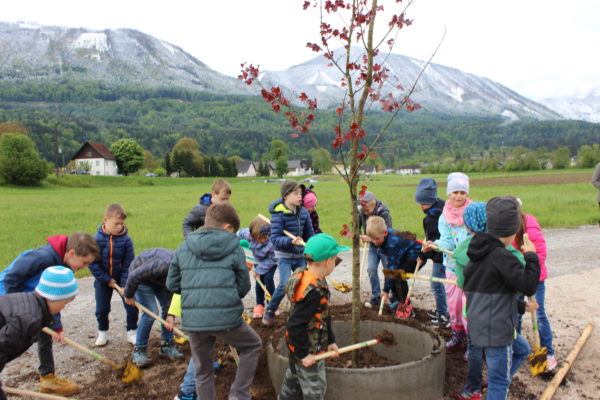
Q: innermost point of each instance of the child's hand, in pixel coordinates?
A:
(112, 283)
(256, 275)
(297, 241)
(428, 245)
(249, 265)
(365, 238)
(528, 245)
(334, 347)
(531, 305)
(129, 300)
(308, 360)
(59, 337)
(170, 321)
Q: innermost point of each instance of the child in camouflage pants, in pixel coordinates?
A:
(309, 325)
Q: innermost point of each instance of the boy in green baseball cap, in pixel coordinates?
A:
(309, 324)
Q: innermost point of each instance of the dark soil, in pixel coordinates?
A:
(161, 380)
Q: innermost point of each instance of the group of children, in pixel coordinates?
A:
(493, 250)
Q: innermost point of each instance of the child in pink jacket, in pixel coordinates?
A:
(531, 227)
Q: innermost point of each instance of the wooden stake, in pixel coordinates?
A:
(560, 374)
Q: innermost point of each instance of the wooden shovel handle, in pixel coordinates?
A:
(346, 349)
(153, 315)
(29, 393)
(431, 278)
(536, 332)
(412, 284)
(84, 349)
(286, 233)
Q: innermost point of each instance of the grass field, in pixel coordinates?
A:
(157, 206)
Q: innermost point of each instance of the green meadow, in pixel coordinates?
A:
(157, 206)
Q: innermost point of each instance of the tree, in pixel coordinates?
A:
(129, 155)
(12, 127)
(186, 157)
(363, 75)
(149, 162)
(588, 156)
(168, 168)
(321, 161)
(561, 158)
(279, 151)
(20, 162)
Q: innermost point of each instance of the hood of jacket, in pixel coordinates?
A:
(59, 244)
(436, 208)
(206, 199)
(212, 243)
(101, 231)
(481, 245)
(278, 206)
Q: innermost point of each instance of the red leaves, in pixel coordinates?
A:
(311, 104)
(410, 105)
(345, 232)
(248, 74)
(332, 6)
(399, 21)
(314, 47)
(363, 190)
(306, 5)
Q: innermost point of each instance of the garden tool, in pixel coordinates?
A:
(341, 287)
(538, 359)
(402, 274)
(264, 288)
(177, 331)
(451, 253)
(382, 303)
(363, 258)
(286, 233)
(37, 395)
(129, 372)
(405, 310)
(385, 337)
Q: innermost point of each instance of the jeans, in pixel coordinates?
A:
(372, 270)
(544, 328)
(248, 344)
(268, 281)
(286, 266)
(103, 296)
(147, 296)
(439, 292)
(45, 354)
(188, 385)
(503, 363)
(475, 367)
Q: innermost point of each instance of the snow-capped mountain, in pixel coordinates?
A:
(121, 56)
(440, 89)
(584, 107)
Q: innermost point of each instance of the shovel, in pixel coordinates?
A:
(405, 310)
(538, 359)
(402, 274)
(385, 337)
(30, 393)
(177, 331)
(286, 233)
(129, 372)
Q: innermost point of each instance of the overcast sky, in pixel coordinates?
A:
(539, 48)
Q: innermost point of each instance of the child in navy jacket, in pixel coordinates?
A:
(116, 253)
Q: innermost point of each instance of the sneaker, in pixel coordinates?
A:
(186, 396)
(167, 348)
(140, 356)
(466, 394)
(440, 320)
(268, 318)
(394, 305)
(373, 303)
(432, 313)
(102, 338)
(551, 363)
(259, 311)
(131, 336)
(61, 386)
(458, 341)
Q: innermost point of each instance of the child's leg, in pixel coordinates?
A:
(285, 270)
(439, 292)
(103, 295)
(259, 292)
(543, 324)
(520, 351)
(145, 296)
(188, 385)
(248, 344)
(164, 299)
(132, 314)
(290, 387)
(498, 360)
(475, 370)
(454, 295)
(372, 269)
(268, 279)
(312, 381)
(45, 354)
(202, 345)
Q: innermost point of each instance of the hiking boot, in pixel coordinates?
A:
(373, 303)
(140, 356)
(186, 396)
(167, 348)
(102, 338)
(458, 341)
(440, 320)
(466, 394)
(131, 336)
(259, 311)
(268, 318)
(551, 364)
(61, 386)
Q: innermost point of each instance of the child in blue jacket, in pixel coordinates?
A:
(287, 214)
(116, 253)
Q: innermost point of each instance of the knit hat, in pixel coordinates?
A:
(57, 283)
(310, 199)
(367, 197)
(426, 192)
(288, 186)
(323, 246)
(457, 181)
(503, 217)
(475, 217)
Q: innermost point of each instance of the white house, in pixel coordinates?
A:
(409, 170)
(98, 157)
(246, 168)
(299, 167)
